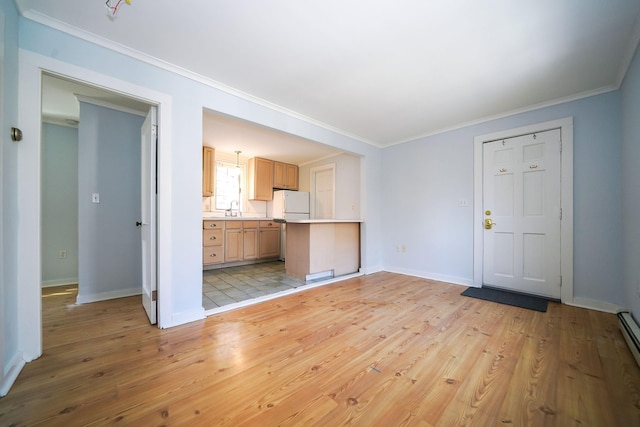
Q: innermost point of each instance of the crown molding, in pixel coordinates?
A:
(58, 25)
(510, 113)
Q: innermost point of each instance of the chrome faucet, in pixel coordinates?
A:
(230, 210)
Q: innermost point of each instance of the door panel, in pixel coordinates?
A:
(148, 208)
(521, 198)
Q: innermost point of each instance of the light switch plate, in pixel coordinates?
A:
(95, 198)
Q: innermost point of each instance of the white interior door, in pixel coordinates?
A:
(324, 192)
(522, 216)
(147, 223)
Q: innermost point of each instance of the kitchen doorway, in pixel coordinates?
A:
(323, 188)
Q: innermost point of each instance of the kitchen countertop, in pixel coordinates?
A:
(235, 218)
(321, 221)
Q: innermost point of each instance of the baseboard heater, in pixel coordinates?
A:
(631, 333)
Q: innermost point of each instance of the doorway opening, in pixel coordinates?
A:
(91, 193)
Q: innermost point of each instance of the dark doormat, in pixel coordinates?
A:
(509, 298)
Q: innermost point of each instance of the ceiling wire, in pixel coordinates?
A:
(114, 8)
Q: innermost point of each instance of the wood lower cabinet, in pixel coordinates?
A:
(233, 241)
(250, 239)
(212, 242)
(269, 240)
(239, 241)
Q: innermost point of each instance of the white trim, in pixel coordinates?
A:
(31, 67)
(178, 319)
(596, 305)
(107, 104)
(534, 107)
(59, 282)
(11, 373)
(566, 238)
(140, 56)
(103, 296)
(312, 188)
(431, 276)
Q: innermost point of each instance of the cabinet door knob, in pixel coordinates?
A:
(212, 255)
(212, 238)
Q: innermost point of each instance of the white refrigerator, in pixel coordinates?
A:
(288, 205)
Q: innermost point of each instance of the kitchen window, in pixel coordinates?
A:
(229, 180)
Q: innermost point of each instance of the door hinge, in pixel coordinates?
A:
(560, 281)
(154, 295)
(561, 146)
(561, 213)
(154, 130)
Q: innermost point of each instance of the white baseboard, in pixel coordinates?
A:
(178, 319)
(59, 282)
(371, 270)
(11, 373)
(431, 276)
(83, 299)
(606, 307)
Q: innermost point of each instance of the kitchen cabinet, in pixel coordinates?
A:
(208, 171)
(285, 176)
(250, 239)
(260, 179)
(233, 242)
(212, 242)
(239, 242)
(269, 240)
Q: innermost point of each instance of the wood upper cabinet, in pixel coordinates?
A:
(208, 169)
(260, 179)
(285, 176)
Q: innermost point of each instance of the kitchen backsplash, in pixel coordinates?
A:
(250, 208)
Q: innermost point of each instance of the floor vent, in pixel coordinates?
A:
(631, 333)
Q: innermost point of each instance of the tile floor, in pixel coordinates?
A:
(234, 284)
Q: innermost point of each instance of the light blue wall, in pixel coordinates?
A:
(59, 204)
(189, 98)
(424, 180)
(109, 246)
(10, 352)
(631, 187)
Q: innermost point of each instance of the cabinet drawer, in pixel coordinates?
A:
(233, 224)
(269, 224)
(208, 224)
(212, 255)
(212, 237)
(250, 224)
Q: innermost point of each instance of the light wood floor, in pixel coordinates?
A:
(380, 350)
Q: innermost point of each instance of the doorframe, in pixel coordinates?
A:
(312, 181)
(566, 199)
(32, 65)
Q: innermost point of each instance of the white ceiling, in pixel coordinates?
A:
(384, 71)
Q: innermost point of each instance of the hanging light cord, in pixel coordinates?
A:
(114, 9)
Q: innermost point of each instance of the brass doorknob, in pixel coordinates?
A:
(488, 223)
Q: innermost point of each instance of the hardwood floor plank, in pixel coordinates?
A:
(384, 349)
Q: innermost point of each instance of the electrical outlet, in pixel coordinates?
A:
(62, 254)
(463, 203)
(397, 248)
(404, 248)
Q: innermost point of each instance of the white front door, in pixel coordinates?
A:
(147, 222)
(522, 216)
